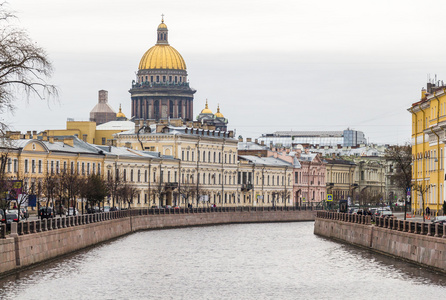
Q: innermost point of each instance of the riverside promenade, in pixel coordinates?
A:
(34, 242)
(417, 242)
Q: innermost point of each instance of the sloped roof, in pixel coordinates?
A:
(267, 161)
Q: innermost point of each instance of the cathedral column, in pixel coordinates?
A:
(147, 108)
(175, 109)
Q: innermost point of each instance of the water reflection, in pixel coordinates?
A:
(250, 261)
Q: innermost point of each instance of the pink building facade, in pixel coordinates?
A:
(309, 180)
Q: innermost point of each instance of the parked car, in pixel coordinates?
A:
(2, 216)
(72, 211)
(157, 207)
(24, 212)
(93, 210)
(12, 217)
(439, 220)
(384, 213)
(46, 213)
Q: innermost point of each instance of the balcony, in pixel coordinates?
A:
(171, 185)
(246, 187)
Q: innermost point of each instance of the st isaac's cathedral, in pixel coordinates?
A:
(161, 90)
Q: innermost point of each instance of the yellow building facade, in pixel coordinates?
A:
(428, 137)
(31, 160)
(91, 133)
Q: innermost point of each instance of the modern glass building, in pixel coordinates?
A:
(346, 138)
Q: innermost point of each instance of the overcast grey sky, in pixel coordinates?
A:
(272, 65)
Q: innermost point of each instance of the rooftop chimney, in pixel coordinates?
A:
(103, 96)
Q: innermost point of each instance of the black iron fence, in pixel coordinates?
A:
(429, 228)
(29, 227)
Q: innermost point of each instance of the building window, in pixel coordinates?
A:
(94, 168)
(33, 166)
(9, 165)
(72, 167)
(52, 167)
(145, 175)
(125, 175)
(99, 168)
(139, 175)
(26, 166)
(131, 175)
(88, 168)
(103, 141)
(83, 168)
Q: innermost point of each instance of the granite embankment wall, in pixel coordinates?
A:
(421, 243)
(37, 241)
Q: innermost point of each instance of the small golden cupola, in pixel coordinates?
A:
(120, 114)
(219, 114)
(206, 109)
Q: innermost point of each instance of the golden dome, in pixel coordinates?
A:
(206, 109)
(162, 57)
(162, 25)
(219, 114)
(120, 114)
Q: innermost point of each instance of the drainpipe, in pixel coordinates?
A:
(438, 153)
(148, 179)
(425, 163)
(198, 168)
(416, 157)
(222, 171)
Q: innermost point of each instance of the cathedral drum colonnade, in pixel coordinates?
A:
(161, 89)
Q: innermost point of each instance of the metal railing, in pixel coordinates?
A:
(429, 229)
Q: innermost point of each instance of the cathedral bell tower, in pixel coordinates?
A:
(161, 89)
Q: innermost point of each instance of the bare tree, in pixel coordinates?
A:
(422, 190)
(401, 158)
(187, 190)
(95, 190)
(114, 184)
(23, 65)
(72, 184)
(158, 190)
(128, 193)
(50, 188)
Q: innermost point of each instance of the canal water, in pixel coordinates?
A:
(248, 261)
